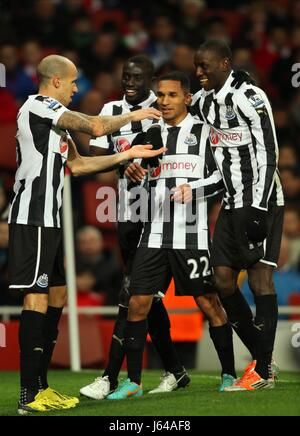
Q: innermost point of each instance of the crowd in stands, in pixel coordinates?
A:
(98, 35)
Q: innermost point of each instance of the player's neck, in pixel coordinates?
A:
(176, 120)
(222, 82)
(45, 91)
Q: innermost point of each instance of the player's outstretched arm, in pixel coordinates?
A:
(81, 165)
(103, 125)
(241, 77)
(202, 188)
(211, 185)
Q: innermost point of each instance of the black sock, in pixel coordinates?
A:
(159, 330)
(241, 318)
(31, 349)
(266, 324)
(222, 339)
(135, 339)
(52, 319)
(117, 349)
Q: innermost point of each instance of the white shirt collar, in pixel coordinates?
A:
(188, 118)
(227, 85)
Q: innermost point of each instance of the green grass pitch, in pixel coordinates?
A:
(199, 399)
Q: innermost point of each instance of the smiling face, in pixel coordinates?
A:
(172, 101)
(136, 83)
(211, 70)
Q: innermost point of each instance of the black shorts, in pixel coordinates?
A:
(36, 258)
(153, 269)
(129, 235)
(231, 246)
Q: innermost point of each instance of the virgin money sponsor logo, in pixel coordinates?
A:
(182, 165)
(122, 144)
(155, 172)
(63, 147)
(171, 166)
(216, 137)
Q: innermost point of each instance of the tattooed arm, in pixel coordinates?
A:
(81, 165)
(103, 125)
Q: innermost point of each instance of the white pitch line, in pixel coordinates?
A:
(214, 377)
(287, 381)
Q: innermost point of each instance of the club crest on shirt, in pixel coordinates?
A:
(230, 114)
(43, 281)
(191, 140)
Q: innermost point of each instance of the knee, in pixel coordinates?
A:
(36, 302)
(261, 284)
(225, 286)
(205, 303)
(210, 305)
(139, 306)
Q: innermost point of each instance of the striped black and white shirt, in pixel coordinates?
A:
(121, 140)
(188, 159)
(244, 144)
(42, 152)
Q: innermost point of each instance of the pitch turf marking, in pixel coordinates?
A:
(215, 377)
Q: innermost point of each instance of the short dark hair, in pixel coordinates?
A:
(221, 48)
(177, 76)
(144, 62)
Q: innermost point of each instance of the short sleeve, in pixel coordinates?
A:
(48, 108)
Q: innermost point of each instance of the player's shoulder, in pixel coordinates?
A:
(49, 102)
(109, 106)
(200, 126)
(196, 118)
(154, 104)
(43, 105)
(250, 95)
(26, 105)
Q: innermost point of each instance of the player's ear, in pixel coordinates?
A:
(56, 81)
(188, 98)
(226, 65)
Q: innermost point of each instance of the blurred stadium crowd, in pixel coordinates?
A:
(98, 35)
